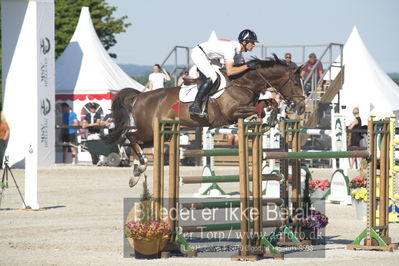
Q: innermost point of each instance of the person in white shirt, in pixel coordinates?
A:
(157, 78)
(230, 52)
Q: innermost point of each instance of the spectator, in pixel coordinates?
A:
(157, 78)
(180, 80)
(69, 136)
(92, 122)
(355, 136)
(4, 135)
(308, 67)
(108, 121)
(287, 60)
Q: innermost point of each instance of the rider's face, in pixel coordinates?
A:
(250, 46)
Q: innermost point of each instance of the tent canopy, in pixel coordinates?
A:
(85, 70)
(366, 85)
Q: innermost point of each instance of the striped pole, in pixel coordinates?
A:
(223, 131)
(227, 178)
(226, 204)
(311, 131)
(282, 155)
(224, 227)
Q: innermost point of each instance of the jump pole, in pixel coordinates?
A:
(162, 128)
(291, 127)
(281, 155)
(394, 213)
(208, 164)
(227, 178)
(255, 251)
(376, 237)
(171, 128)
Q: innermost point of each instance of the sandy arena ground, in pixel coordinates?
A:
(83, 223)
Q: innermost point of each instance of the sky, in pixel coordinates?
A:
(157, 26)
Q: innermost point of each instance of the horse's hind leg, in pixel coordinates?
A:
(139, 162)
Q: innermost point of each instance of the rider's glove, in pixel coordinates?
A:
(251, 65)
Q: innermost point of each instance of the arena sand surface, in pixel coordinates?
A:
(83, 223)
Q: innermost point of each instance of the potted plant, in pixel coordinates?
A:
(360, 202)
(148, 235)
(317, 188)
(310, 225)
(356, 183)
(149, 238)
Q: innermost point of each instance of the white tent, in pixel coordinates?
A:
(366, 85)
(86, 73)
(213, 36)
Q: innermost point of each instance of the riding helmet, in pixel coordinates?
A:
(247, 35)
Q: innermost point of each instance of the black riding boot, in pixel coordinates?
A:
(203, 89)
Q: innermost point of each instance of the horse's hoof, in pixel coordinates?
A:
(133, 181)
(136, 170)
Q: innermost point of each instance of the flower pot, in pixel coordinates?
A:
(317, 194)
(149, 249)
(361, 209)
(309, 234)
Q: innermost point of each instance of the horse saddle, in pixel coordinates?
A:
(189, 89)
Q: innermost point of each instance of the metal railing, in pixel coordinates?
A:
(326, 55)
(177, 65)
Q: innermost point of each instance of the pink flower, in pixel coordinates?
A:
(321, 184)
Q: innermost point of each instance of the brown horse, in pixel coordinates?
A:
(238, 101)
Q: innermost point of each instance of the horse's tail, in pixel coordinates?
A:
(121, 111)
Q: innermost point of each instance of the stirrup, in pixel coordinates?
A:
(200, 113)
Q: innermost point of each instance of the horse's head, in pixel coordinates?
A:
(274, 73)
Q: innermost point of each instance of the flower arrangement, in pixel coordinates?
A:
(321, 184)
(314, 220)
(357, 182)
(147, 230)
(360, 194)
(146, 226)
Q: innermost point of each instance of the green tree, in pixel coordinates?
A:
(66, 18)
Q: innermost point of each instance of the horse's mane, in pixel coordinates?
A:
(268, 62)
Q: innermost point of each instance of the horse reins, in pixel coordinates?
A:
(269, 85)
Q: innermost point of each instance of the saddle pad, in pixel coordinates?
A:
(187, 93)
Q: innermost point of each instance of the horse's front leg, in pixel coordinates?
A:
(272, 105)
(139, 161)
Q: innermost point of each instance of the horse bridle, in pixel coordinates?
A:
(289, 100)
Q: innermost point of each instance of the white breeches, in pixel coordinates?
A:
(202, 62)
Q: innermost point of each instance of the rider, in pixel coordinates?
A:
(230, 52)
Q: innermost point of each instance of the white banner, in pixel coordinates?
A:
(28, 86)
(46, 85)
